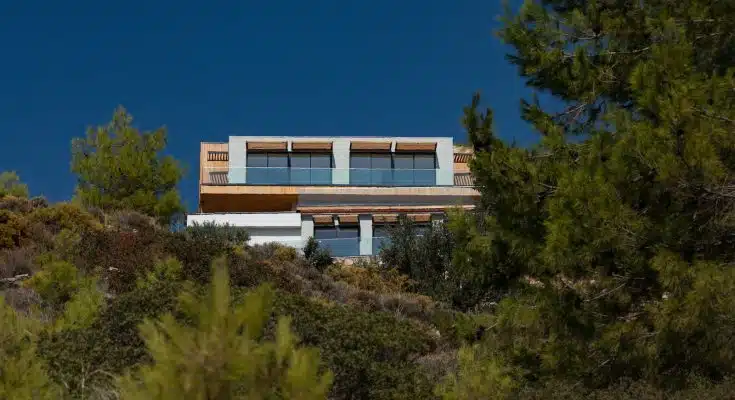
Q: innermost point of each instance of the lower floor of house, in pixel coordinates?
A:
(345, 235)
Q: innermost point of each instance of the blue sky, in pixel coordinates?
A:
(208, 70)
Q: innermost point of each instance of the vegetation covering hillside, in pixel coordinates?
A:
(597, 265)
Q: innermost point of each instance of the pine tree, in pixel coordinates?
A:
(121, 168)
(224, 355)
(613, 236)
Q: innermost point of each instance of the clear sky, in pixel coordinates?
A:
(210, 69)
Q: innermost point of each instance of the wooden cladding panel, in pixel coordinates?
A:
(323, 220)
(311, 146)
(223, 203)
(426, 147)
(385, 218)
(462, 157)
(420, 217)
(347, 219)
(463, 180)
(218, 156)
(267, 146)
(370, 146)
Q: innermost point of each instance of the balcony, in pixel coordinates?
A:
(278, 176)
(392, 177)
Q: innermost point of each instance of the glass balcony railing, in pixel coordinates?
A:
(288, 176)
(319, 176)
(392, 177)
(341, 247)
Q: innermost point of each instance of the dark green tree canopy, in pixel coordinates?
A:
(119, 167)
(614, 234)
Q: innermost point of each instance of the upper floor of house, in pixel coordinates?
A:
(335, 161)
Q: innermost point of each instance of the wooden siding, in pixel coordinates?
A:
(218, 156)
(420, 217)
(369, 209)
(415, 147)
(462, 157)
(463, 180)
(311, 146)
(347, 219)
(323, 220)
(370, 146)
(385, 218)
(224, 203)
(267, 146)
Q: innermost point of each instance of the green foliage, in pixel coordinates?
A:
(223, 354)
(22, 375)
(426, 259)
(119, 167)
(610, 241)
(371, 353)
(10, 185)
(56, 283)
(220, 234)
(479, 377)
(317, 256)
(368, 275)
(86, 357)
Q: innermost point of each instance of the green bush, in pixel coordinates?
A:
(371, 354)
(56, 283)
(317, 256)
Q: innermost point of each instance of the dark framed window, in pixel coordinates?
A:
(281, 168)
(311, 168)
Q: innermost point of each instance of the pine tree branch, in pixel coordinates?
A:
(713, 115)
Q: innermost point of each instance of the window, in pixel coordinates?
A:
(342, 241)
(311, 168)
(371, 169)
(267, 168)
(289, 169)
(401, 169)
(424, 169)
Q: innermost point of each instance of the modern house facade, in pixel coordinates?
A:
(343, 191)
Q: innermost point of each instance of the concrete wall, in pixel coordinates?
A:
(237, 156)
(263, 227)
(272, 220)
(366, 235)
(445, 160)
(288, 236)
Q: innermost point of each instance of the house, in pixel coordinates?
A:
(343, 191)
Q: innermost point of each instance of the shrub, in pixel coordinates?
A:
(367, 275)
(22, 374)
(64, 216)
(10, 185)
(56, 283)
(85, 358)
(119, 257)
(371, 354)
(13, 230)
(223, 355)
(17, 261)
(426, 259)
(317, 256)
